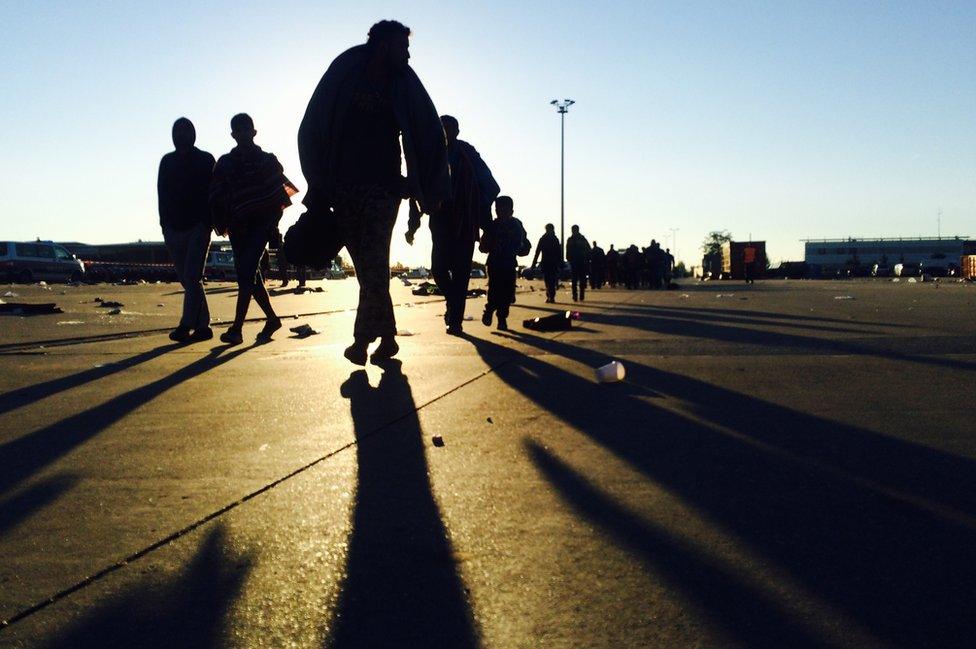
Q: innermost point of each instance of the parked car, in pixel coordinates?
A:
(535, 272)
(33, 261)
(220, 265)
(477, 273)
(417, 273)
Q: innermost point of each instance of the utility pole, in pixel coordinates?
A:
(674, 241)
(562, 107)
(939, 222)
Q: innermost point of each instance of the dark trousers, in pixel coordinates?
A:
(551, 276)
(579, 281)
(450, 264)
(366, 216)
(501, 286)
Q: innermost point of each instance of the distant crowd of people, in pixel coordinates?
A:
(367, 103)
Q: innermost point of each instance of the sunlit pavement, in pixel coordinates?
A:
(783, 466)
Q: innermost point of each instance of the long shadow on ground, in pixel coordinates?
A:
(26, 455)
(402, 588)
(21, 397)
(721, 328)
(880, 529)
(188, 610)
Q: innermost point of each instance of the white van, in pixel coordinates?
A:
(33, 261)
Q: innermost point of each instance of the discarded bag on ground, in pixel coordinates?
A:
(555, 322)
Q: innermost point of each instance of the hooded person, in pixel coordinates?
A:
(456, 225)
(184, 216)
(349, 146)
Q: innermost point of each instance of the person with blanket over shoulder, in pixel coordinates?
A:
(367, 102)
(248, 192)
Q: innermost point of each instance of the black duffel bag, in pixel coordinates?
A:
(313, 240)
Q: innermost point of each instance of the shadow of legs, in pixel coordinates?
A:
(402, 588)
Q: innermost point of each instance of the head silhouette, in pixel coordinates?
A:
(389, 46)
(594, 244)
(451, 128)
(550, 228)
(575, 229)
(242, 129)
(504, 207)
(184, 135)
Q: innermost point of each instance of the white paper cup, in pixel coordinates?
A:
(612, 372)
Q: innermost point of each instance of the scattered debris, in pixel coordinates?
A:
(490, 421)
(115, 311)
(555, 322)
(844, 297)
(42, 283)
(468, 318)
(896, 279)
(437, 440)
(612, 372)
(426, 288)
(97, 299)
(71, 322)
(725, 295)
(406, 282)
(685, 296)
(404, 332)
(111, 305)
(10, 294)
(912, 280)
(160, 304)
(477, 292)
(19, 308)
(303, 331)
(263, 448)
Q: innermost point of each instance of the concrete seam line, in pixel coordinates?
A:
(104, 572)
(118, 565)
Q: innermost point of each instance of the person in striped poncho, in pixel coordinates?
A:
(248, 192)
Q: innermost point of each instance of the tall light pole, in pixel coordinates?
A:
(674, 240)
(562, 107)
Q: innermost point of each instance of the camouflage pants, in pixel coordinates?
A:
(366, 216)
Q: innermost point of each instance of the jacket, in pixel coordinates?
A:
(424, 145)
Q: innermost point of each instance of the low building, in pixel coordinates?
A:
(878, 256)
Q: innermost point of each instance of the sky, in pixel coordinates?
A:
(776, 120)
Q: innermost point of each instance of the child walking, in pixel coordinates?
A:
(504, 240)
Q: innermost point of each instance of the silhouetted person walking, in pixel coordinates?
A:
(598, 266)
(349, 144)
(184, 215)
(456, 225)
(578, 254)
(248, 192)
(551, 253)
(504, 240)
(613, 266)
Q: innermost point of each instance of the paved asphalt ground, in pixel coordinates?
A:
(781, 468)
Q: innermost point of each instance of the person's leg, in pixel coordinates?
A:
(249, 247)
(506, 275)
(463, 252)
(583, 278)
(495, 297)
(282, 266)
(302, 273)
(366, 223)
(574, 281)
(440, 264)
(176, 244)
(195, 262)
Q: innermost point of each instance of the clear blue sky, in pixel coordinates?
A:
(784, 120)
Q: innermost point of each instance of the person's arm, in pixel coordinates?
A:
(538, 251)
(413, 221)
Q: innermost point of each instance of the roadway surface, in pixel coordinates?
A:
(780, 468)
